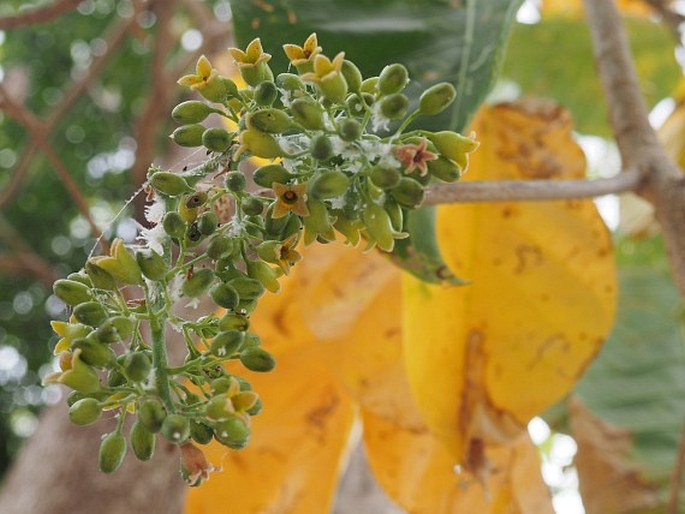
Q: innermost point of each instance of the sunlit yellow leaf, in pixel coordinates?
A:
(575, 7)
(484, 358)
(293, 461)
(419, 474)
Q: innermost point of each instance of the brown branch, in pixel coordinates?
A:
(38, 15)
(113, 39)
(20, 172)
(28, 264)
(39, 136)
(158, 104)
(530, 190)
(663, 183)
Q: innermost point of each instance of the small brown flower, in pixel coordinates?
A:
(194, 466)
(415, 156)
(290, 198)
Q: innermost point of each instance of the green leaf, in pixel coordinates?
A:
(554, 58)
(438, 40)
(637, 383)
(419, 253)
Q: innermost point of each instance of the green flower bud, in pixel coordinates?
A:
(95, 353)
(293, 225)
(100, 278)
(252, 206)
(232, 321)
(218, 89)
(334, 87)
(92, 314)
(152, 265)
(267, 275)
(169, 183)
(112, 452)
(289, 82)
(265, 93)
(273, 121)
(307, 113)
(115, 378)
(453, 146)
(235, 181)
(437, 98)
(81, 277)
(395, 106)
(192, 111)
(256, 408)
(201, 433)
(232, 432)
(378, 226)
(395, 212)
(408, 192)
(329, 184)
(260, 144)
(224, 295)
(385, 176)
(267, 175)
(198, 283)
(248, 288)
(175, 428)
(220, 246)
(115, 329)
(353, 77)
(219, 407)
(142, 441)
(85, 411)
(121, 265)
(393, 79)
(255, 358)
(216, 139)
(223, 384)
(207, 223)
(193, 236)
(174, 225)
(188, 135)
(349, 130)
(137, 366)
(370, 85)
(321, 147)
(318, 223)
(444, 169)
(71, 292)
(225, 344)
(350, 208)
(151, 414)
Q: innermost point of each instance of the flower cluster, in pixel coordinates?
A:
(329, 173)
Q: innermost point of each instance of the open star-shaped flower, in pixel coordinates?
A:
(415, 157)
(290, 198)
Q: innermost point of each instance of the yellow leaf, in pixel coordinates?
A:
(297, 446)
(416, 471)
(484, 358)
(574, 8)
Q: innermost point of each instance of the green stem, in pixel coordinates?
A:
(159, 356)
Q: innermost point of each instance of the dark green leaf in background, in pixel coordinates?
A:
(438, 40)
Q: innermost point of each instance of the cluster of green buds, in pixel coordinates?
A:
(330, 167)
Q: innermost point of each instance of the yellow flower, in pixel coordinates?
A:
(208, 82)
(252, 62)
(302, 57)
(325, 68)
(328, 76)
(75, 374)
(287, 255)
(204, 73)
(290, 198)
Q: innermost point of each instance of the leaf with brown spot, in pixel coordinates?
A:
(485, 358)
(416, 471)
